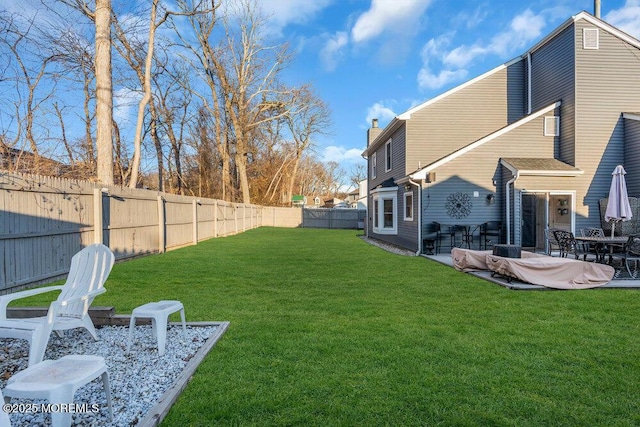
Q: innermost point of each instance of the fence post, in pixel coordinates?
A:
(97, 215)
(162, 244)
(215, 218)
(195, 222)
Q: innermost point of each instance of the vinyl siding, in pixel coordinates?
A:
(552, 79)
(465, 116)
(632, 156)
(407, 230)
(477, 170)
(607, 84)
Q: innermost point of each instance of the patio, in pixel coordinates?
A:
(518, 285)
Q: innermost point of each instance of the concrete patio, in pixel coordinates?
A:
(517, 285)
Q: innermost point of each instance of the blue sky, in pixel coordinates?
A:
(378, 58)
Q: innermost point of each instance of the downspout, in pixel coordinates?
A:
(419, 186)
(508, 204)
(529, 83)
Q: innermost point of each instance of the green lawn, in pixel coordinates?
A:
(327, 330)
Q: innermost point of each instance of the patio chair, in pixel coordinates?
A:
(630, 252)
(569, 245)
(598, 249)
(491, 232)
(89, 270)
(551, 241)
(431, 240)
(443, 231)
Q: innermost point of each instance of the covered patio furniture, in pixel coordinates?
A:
(552, 272)
(89, 270)
(490, 232)
(630, 252)
(472, 260)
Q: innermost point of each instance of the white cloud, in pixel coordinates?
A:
(454, 62)
(627, 18)
(125, 103)
(337, 154)
(380, 112)
(332, 50)
(388, 15)
(284, 12)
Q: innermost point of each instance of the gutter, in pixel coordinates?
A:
(419, 186)
(516, 175)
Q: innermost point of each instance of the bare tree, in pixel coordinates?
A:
(104, 91)
(309, 118)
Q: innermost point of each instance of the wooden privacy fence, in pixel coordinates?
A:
(44, 221)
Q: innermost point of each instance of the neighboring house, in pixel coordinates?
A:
(531, 143)
(330, 203)
(298, 200)
(362, 194)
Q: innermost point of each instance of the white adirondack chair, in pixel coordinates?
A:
(89, 270)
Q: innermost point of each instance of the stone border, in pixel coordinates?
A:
(156, 414)
(104, 316)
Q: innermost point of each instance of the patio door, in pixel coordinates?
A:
(541, 210)
(534, 220)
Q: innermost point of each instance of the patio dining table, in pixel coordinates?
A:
(466, 233)
(602, 242)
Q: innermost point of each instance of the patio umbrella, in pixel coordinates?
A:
(618, 208)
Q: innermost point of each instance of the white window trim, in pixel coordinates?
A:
(388, 156)
(374, 161)
(380, 195)
(406, 195)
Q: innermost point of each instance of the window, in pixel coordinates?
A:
(408, 206)
(374, 161)
(385, 202)
(552, 126)
(387, 156)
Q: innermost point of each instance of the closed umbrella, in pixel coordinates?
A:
(618, 208)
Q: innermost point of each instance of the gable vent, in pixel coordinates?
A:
(552, 126)
(590, 38)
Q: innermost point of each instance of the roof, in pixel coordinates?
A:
(401, 118)
(631, 116)
(540, 166)
(422, 173)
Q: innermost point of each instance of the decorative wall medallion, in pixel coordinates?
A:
(458, 205)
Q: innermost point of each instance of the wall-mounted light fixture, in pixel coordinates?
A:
(407, 186)
(490, 199)
(563, 211)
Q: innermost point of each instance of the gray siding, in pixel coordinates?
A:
(632, 156)
(397, 159)
(607, 84)
(552, 80)
(465, 116)
(407, 230)
(478, 170)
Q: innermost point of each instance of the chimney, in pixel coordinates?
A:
(373, 133)
(596, 8)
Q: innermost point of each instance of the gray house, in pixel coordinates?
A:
(531, 143)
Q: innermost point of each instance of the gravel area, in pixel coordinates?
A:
(137, 379)
(388, 247)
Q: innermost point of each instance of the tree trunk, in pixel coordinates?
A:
(104, 92)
